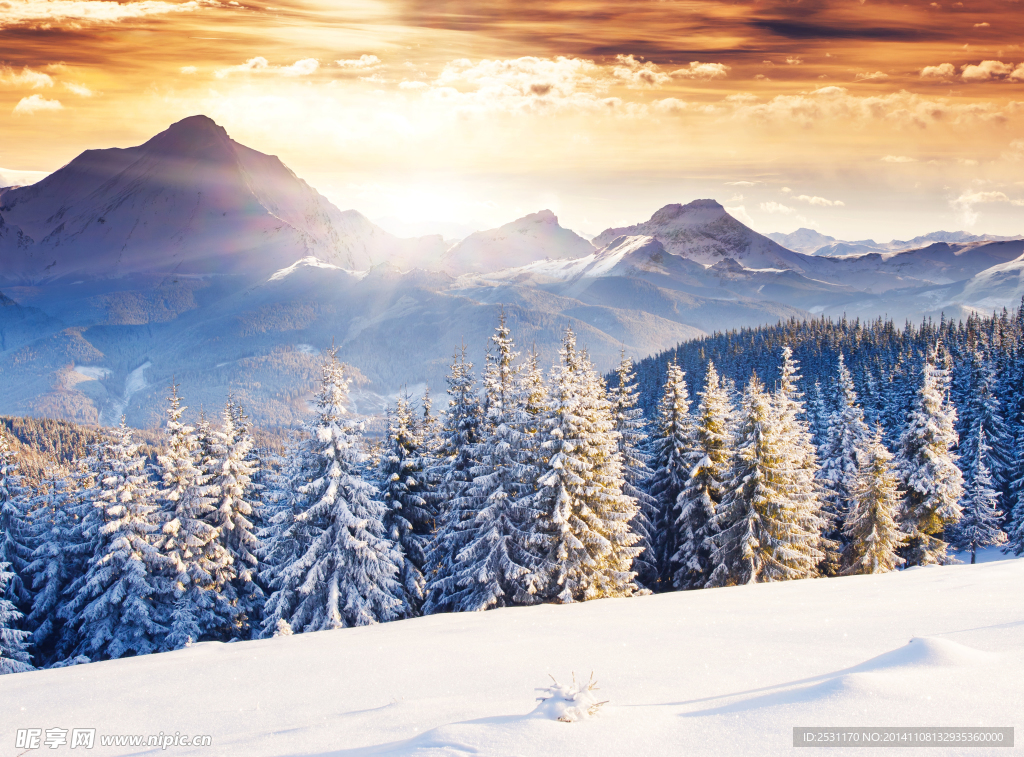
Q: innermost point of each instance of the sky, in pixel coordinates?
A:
(860, 119)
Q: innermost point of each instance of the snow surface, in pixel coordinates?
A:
(92, 372)
(721, 671)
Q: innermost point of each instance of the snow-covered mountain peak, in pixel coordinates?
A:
(696, 213)
(526, 240)
(191, 200)
(541, 217)
(189, 136)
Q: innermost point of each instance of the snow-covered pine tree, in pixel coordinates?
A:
(231, 468)
(14, 642)
(1015, 526)
(981, 409)
(402, 480)
(348, 574)
(584, 517)
(672, 459)
(55, 562)
(705, 487)
(631, 427)
(926, 466)
(460, 436)
(15, 533)
(818, 416)
(847, 441)
(199, 566)
(979, 524)
(112, 607)
(871, 528)
(498, 565)
(768, 527)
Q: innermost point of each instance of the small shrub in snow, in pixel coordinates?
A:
(569, 703)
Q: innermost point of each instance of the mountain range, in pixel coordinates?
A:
(196, 259)
(811, 242)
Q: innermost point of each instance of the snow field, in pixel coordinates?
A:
(719, 671)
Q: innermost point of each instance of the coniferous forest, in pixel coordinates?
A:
(808, 449)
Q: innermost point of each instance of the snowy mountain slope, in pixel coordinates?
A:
(396, 328)
(190, 200)
(645, 258)
(720, 671)
(704, 232)
(537, 236)
(999, 286)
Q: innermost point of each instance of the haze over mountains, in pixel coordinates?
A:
(194, 257)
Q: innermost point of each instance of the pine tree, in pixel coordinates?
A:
(705, 488)
(112, 607)
(847, 442)
(460, 435)
(584, 524)
(767, 527)
(231, 469)
(979, 524)
(348, 574)
(14, 656)
(872, 532)
(631, 427)
(402, 479)
(672, 459)
(498, 565)
(56, 562)
(982, 409)
(927, 471)
(199, 566)
(15, 533)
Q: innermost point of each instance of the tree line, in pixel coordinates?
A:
(530, 488)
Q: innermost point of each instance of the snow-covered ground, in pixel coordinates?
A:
(722, 672)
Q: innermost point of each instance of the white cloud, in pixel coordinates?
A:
(776, 207)
(982, 25)
(637, 75)
(876, 76)
(820, 201)
(303, 67)
(901, 108)
(794, 61)
(966, 202)
(786, 190)
(413, 85)
(1016, 151)
(739, 212)
(669, 105)
(970, 197)
(259, 64)
(987, 70)
(24, 78)
(78, 89)
(35, 103)
(363, 62)
(742, 183)
(528, 85)
(941, 71)
(77, 12)
(898, 159)
(189, 69)
(706, 71)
